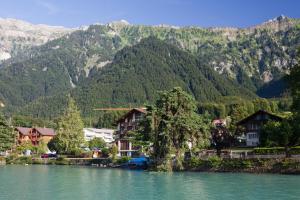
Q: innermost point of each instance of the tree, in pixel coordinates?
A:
(97, 143)
(294, 83)
(174, 124)
(262, 104)
(278, 134)
(7, 136)
(221, 138)
(114, 152)
(69, 136)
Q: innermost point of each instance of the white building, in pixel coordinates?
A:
(106, 134)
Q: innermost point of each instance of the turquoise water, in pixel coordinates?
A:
(67, 182)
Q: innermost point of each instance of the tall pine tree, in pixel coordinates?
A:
(70, 135)
(7, 137)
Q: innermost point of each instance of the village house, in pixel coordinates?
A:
(34, 135)
(106, 134)
(252, 125)
(128, 122)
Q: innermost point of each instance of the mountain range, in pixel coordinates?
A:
(120, 64)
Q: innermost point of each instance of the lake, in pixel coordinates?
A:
(74, 182)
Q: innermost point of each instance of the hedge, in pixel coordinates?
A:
(275, 150)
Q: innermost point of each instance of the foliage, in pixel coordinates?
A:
(278, 134)
(174, 123)
(214, 162)
(27, 145)
(69, 136)
(123, 160)
(97, 143)
(275, 150)
(105, 152)
(221, 138)
(36, 80)
(294, 82)
(7, 136)
(27, 121)
(114, 152)
(108, 119)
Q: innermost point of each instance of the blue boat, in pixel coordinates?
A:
(137, 163)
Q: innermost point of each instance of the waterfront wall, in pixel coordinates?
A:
(252, 165)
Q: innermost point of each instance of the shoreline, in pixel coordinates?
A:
(215, 165)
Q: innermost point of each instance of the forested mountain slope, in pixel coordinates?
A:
(255, 58)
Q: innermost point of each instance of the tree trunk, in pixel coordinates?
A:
(219, 151)
(287, 152)
(178, 161)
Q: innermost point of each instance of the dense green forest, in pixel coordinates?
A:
(117, 65)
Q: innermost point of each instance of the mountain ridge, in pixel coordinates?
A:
(251, 59)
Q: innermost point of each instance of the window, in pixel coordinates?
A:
(253, 126)
(138, 116)
(252, 136)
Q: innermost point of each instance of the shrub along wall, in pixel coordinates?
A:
(275, 150)
(216, 164)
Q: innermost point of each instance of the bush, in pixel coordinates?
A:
(268, 150)
(105, 152)
(61, 160)
(195, 162)
(295, 150)
(275, 150)
(123, 160)
(214, 162)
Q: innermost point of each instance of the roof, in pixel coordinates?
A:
(273, 117)
(140, 110)
(46, 131)
(23, 130)
(99, 130)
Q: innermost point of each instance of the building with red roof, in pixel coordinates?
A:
(34, 135)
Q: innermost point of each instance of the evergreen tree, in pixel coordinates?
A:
(175, 124)
(294, 82)
(69, 136)
(7, 137)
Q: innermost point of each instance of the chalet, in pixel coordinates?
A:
(253, 124)
(34, 135)
(128, 122)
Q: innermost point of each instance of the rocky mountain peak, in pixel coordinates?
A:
(18, 35)
(280, 23)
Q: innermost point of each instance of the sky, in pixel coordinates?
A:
(203, 13)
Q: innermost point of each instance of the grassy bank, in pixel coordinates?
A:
(216, 164)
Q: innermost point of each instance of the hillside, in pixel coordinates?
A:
(138, 72)
(255, 58)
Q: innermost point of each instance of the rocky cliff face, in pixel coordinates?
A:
(17, 35)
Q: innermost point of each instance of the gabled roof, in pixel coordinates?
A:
(140, 110)
(45, 131)
(23, 130)
(260, 112)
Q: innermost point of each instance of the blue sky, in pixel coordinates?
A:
(205, 13)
